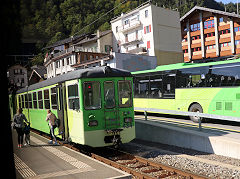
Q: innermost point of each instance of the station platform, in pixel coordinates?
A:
(41, 160)
(213, 139)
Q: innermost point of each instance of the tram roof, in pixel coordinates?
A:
(185, 65)
(95, 72)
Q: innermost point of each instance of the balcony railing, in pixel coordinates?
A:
(69, 50)
(140, 50)
(131, 41)
(131, 25)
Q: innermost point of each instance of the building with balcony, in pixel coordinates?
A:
(209, 33)
(64, 61)
(17, 76)
(149, 30)
(76, 50)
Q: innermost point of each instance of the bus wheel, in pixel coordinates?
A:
(196, 108)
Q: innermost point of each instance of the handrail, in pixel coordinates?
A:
(184, 113)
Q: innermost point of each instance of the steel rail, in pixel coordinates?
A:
(132, 159)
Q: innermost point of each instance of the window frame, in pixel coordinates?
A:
(113, 84)
(84, 97)
(76, 97)
(46, 100)
(40, 100)
(130, 96)
(35, 101)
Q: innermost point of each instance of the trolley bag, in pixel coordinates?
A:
(26, 129)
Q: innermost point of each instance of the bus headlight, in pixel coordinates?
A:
(93, 123)
(127, 119)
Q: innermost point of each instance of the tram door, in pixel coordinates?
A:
(111, 111)
(61, 96)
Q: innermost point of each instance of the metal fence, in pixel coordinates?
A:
(183, 113)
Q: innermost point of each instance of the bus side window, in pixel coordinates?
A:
(223, 75)
(191, 77)
(169, 84)
(141, 84)
(156, 86)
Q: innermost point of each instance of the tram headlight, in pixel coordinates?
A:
(127, 119)
(93, 123)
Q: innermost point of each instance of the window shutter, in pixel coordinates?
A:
(145, 30)
(148, 44)
(149, 28)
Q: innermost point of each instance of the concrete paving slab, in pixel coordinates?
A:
(41, 160)
(207, 140)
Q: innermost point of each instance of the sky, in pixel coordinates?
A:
(228, 1)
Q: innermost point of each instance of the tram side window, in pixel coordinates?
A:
(125, 93)
(19, 101)
(22, 96)
(92, 95)
(73, 97)
(141, 87)
(46, 99)
(54, 98)
(34, 100)
(30, 100)
(227, 75)
(40, 100)
(26, 101)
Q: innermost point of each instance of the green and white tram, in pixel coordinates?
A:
(94, 106)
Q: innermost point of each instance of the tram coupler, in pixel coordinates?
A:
(115, 138)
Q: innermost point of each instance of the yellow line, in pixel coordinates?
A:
(180, 122)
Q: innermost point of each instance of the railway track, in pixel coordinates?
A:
(137, 166)
(140, 167)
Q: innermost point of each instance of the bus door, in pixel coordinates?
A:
(111, 110)
(63, 130)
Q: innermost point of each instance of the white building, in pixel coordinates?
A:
(74, 50)
(17, 75)
(149, 30)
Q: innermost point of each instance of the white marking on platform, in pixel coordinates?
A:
(22, 168)
(27, 172)
(76, 163)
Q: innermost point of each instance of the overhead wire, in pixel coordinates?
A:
(98, 19)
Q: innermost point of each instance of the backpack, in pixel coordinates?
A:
(57, 122)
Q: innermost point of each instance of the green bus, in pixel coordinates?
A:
(210, 88)
(94, 106)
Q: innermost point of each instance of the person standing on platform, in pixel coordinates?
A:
(18, 120)
(51, 118)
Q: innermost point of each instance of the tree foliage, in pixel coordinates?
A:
(47, 21)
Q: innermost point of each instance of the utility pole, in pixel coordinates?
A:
(237, 7)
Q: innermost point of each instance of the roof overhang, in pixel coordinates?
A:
(198, 8)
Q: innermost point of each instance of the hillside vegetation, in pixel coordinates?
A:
(47, 21)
